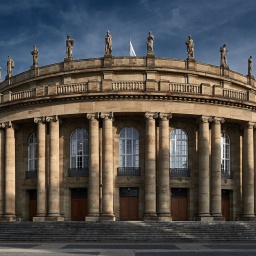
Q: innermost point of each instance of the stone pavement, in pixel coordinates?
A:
(127, 249)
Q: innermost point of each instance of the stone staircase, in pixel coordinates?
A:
(133, 231)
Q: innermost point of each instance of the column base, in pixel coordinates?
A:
(107, 217)
(204, 218)
(92, 218)
(152, 216)
(39, 219)
(247, 218)
(8, 218)
(54, 218)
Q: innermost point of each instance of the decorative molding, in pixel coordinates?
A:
(205, 119)
(8, 124)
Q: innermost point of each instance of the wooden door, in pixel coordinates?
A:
(179, 205)
(32, 205)
(129, 204)
(225, 204)
(78, 204)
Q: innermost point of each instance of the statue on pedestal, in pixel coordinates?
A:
(223, 56)
(108, 44)
(10, 66)
(35, 56)
(150, 43)
(190, 47)
(250, 62)
(69, 47)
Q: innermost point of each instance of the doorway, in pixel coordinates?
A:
(78, 204)
(179, 204)
(129, 204)
(32, 204)
(226, 203)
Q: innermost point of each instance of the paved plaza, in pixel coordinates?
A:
(128, 249)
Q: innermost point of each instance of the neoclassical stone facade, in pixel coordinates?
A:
(127, 138)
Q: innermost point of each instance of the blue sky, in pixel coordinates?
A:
(46, 24)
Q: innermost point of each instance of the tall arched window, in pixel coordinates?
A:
(129, 151)
(79, 150)
(32, 153)
(179, 153)
(225, 156)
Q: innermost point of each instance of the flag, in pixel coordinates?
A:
(132, 52)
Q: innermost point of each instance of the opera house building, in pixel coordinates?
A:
(127, 138)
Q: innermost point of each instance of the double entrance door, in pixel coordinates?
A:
(129, 203)
(179, 204)
(78, 204)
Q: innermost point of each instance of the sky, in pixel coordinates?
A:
(46, 23)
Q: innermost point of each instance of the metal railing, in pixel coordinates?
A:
(32, 174)
(128, 171)
(179, 172)
(78, 172)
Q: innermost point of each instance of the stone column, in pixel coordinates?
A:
(54, 179)
(93, 191)
(9, 211)
(150, 166)
(216, 212)
(204, 173)
(2, 149)
(41, 184)
(163, 177)
(107, 168)
(248, 173)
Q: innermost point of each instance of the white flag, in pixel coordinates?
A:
(132, 52)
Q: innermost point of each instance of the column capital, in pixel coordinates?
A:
(39, 120)
(204, 119)
(217, 120)
(106, 115)
(92, 116)
(8, 124)
(151, 115)
(248, 125)
(54, 118)
(164, 116)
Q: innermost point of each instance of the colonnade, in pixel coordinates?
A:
(156, 183)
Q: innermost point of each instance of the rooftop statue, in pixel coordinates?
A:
(150, 43)
(10, 66)
(190, 47)
(223, 56)
(250, 62)
(35, 56)
(69, 47)
(108, 43)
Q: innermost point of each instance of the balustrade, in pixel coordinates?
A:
(235, 94)
(128, 86)
(185, 88)
(23, 94)
(72, 88)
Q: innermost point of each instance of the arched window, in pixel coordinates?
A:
(129, 151)
(79, 150)
(225, 156)
(32, 153)
(179, 153)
